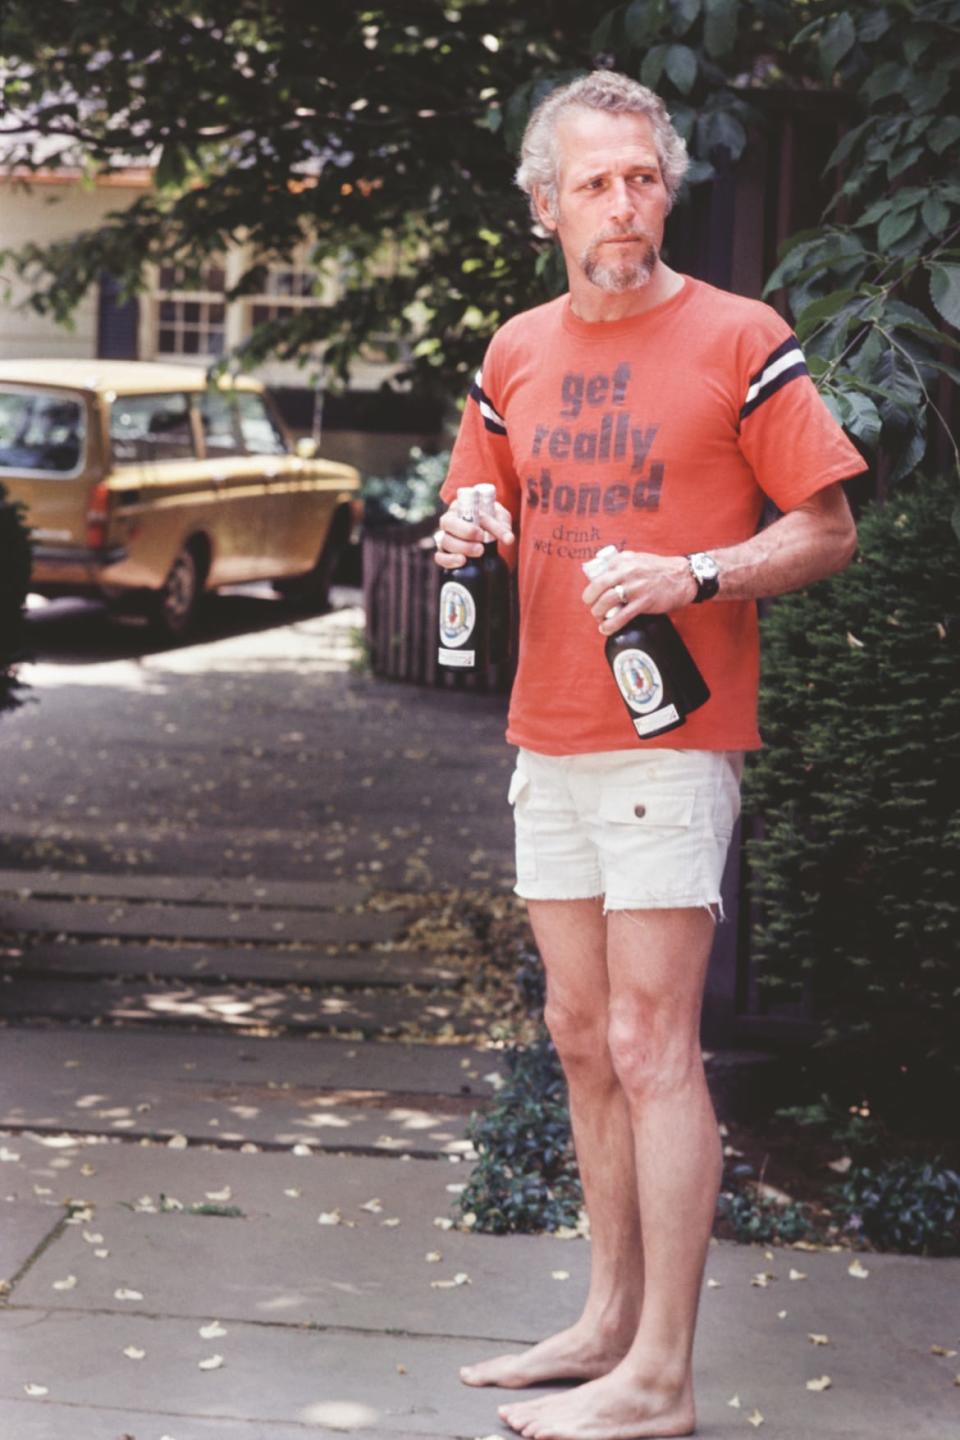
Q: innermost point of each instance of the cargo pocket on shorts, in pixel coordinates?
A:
(517, 795)
(660, 855)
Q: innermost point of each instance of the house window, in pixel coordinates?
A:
(287, 289)
(190, 321)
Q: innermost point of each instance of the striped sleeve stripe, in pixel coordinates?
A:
(494, 422)
(784, 364)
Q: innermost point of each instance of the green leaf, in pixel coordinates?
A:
(887, 79)
(680, 64)
(860, 416)
(836, 41)
(874, 25)
(812, 316)
(642, 19)
(652, 67)
(171, 167)
(936, 215)
(848, 141)
(719, 27)
(903, 160)
(684, 13)
(944, 133)
(893, 226)
(719, 129)
(945, 291)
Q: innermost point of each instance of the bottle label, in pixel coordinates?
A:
(640, 682)
(659, 720)
(457, 659)
(458, 615)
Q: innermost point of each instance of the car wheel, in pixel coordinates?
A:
(175, 605)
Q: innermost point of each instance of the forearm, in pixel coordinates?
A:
(816, 539)
(803, 546)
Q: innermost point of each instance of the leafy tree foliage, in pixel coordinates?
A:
(386, 137)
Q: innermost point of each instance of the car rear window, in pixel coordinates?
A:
(150, 427)
(261, 433)
(41, 431)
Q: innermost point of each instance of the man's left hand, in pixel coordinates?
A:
(637, 583)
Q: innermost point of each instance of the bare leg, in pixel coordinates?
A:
(657, 965)
(571, 935)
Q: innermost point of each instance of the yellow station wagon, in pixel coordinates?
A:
(145, 485)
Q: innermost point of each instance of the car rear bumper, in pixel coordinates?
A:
(68, 569)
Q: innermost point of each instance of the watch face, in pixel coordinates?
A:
(704, 567)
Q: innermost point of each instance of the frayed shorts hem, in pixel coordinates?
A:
(713, 906)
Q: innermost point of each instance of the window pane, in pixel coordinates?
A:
(261, 435)
(215, 314)
(39, 431)
(168, 310)
(214, 342)
(150, 427)
(220, 425)
(167, 342)
(191, 312)
(216, 279)
(191, 343)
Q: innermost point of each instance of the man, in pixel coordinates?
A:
(650, 411)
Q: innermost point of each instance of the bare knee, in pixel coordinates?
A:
(651, 1056)
(579, 1033)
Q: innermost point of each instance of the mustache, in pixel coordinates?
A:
(619, 232)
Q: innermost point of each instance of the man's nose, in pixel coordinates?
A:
(622, 205)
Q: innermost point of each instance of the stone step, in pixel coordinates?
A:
(199, 889)
(65, 1064)
(199, 922)
(133, 1002)
(388, 968)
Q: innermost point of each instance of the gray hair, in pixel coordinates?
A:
(600, 90)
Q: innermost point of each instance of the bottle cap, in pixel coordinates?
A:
(596, 566)
(465, 502)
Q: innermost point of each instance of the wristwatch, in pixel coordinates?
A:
(706, 572)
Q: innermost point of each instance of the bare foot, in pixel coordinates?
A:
(618, 1406)
(574, 1354)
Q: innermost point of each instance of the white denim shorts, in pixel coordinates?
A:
(647, 830)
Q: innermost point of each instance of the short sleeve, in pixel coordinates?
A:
(787, 435)
(481, 452)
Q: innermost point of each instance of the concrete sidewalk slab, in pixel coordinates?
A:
(303, 967)
(23, 1229)
(201, 889)
(273, 1375)
(199, 922)
(225, 1005)
(110, 1061)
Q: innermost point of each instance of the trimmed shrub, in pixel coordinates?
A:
(14, 583)
(857, 873)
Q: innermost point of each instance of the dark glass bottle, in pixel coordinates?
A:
(461, 621)
(654, 671)
(496, 591)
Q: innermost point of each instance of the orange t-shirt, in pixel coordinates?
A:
(663, 432)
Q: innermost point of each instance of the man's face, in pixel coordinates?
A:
(612, 203)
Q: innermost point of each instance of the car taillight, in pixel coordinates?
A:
(98, 515)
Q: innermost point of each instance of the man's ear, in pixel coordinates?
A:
(544, 213)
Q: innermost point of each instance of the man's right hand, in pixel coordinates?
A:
(457, 540)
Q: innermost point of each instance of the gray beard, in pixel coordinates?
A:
(622, 275)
